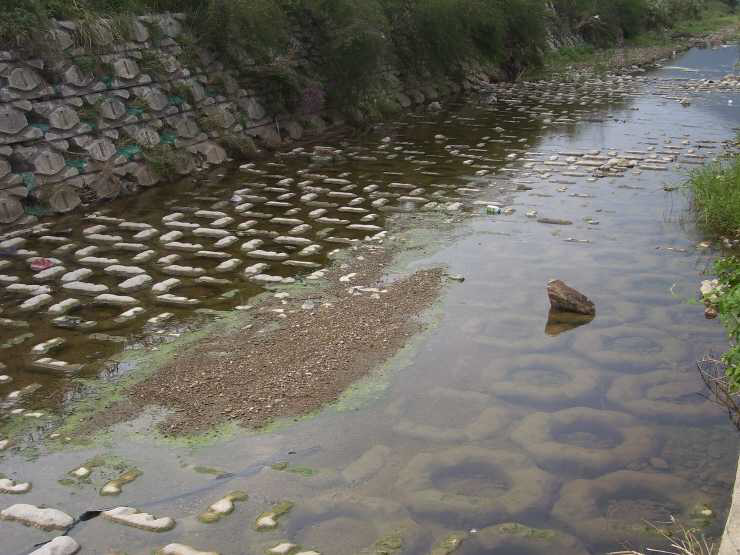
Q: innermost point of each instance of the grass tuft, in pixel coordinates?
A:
(715, 193)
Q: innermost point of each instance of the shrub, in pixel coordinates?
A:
(353, 38)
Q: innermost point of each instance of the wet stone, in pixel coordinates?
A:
(168, 260)
(183, 247)
(77, 275)
(180, 549)
(135, 283)
(61, 545)
(35, 303)
(144, 521)
(98, 262)
(143, 257)
(165, 286)
(12, 324)
(185, 271)
(34, 516)
(54, 366)
(124, 271)
(284, 548)
(10, 486)
(85, 288)
(28, 290)
(64, 307)
(129, 315)
(50, 273)
(176, 300)
(267, 255)
(211, 233)
(216, 282)
(73, 323)
(130, 247)
(226, 242)
(146, 234)
(228, 265)
(115, 300)
(48, 346)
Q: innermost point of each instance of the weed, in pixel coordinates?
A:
(715, 193)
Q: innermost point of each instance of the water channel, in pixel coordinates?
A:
(517, 438)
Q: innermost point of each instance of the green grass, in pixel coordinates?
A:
(715, 192)
(725, 298)
(717, 15)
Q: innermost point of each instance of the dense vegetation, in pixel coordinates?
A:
(725, 298)
(357, 38)
(715, 191)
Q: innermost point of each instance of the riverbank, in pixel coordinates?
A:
(338, 331)
(509, 194)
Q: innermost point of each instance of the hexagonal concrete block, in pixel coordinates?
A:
(187, 128)
(254, 109)
(74, 76)
(199, 92)
(213, 153)
(101, 150)
(170, 26)
(24, 79)
(140, 31)
(10, 209)
(64, 199)
(64, 118)
(12, 121)
(126, 68)
(145, 177)
(62, 38)
(155, 99)
(112, 108)
(4, 167)
(146, 136)
(49, 162)
(107, 188)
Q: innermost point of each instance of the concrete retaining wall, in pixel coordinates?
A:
(87, 118)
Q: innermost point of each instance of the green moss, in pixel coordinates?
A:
(209, 470)
(522, 531)
(275, 513)
(284, 466)
(448, 545)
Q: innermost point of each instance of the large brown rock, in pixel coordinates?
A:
(566, 299)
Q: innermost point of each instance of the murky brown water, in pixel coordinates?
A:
(587, 433)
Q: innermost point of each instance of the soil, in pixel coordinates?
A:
(289, 361)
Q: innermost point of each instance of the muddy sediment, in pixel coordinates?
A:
(300, 351)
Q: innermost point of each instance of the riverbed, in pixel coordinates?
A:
(491, 429)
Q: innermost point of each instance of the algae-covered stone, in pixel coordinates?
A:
(269, 520)
(10, 486)
(285, 466)
(137, 519)
(114, 487)
(509, 484)
(448, 545)
(516, 538)
(222, 507)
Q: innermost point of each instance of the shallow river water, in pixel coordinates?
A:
(491, 427)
